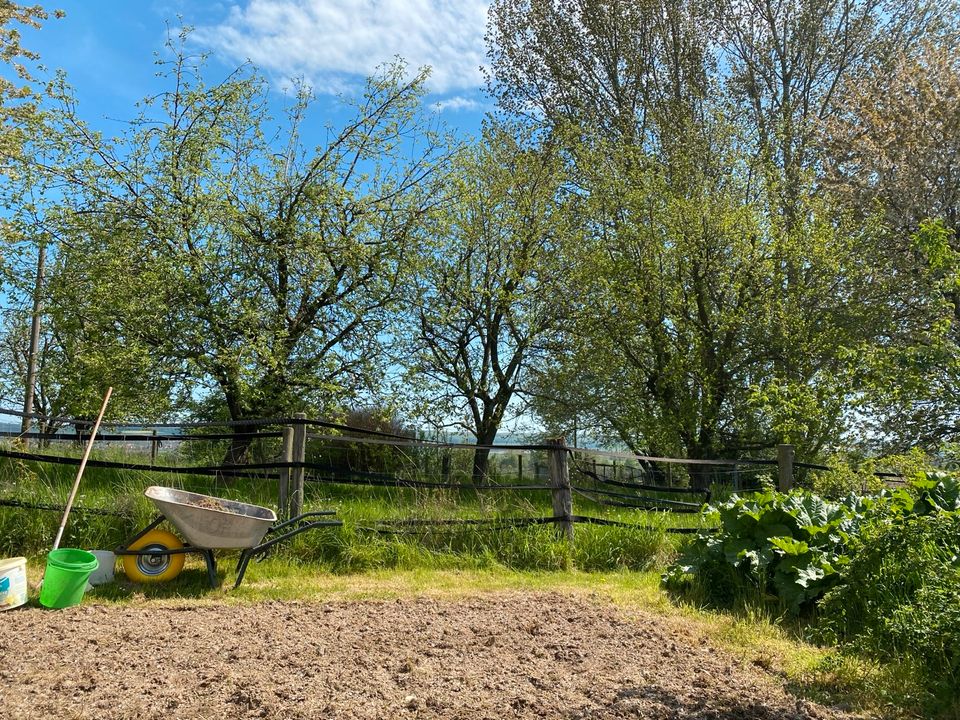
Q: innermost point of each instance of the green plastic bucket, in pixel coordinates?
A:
(66, 576)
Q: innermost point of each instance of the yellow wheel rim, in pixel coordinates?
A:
(154, 568)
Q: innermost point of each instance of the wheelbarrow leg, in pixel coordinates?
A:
(211, 567)
(242, 567)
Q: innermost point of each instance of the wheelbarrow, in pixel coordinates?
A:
(207, 523)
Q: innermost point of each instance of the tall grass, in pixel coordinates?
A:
(366, 540)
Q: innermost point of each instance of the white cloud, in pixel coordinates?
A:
(332, 43)
(457, 102)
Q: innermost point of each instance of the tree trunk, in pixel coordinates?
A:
(700, 476)
(82, 431)
(237, 449)
(481, 464)
(481, 456)
(239, 445)
(240, 442)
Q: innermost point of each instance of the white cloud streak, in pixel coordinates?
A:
(457, 103)
(333, 43)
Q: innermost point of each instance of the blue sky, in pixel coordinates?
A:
(107, 48)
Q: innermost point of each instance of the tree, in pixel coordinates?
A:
(264, 276)
(73, 367)
(680, 310)
(70, 358)
(895, 150)
(17, 99)
(691, 131)
(896, 146)
(20, 120)
(786, 62)
(484, 293)
(610, 66)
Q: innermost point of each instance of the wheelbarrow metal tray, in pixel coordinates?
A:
(211, 522)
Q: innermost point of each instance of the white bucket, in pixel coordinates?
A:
(104, 573)
(13, 582)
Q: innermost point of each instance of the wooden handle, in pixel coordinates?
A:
(83, 464)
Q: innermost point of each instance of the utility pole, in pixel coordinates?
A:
(34, 340)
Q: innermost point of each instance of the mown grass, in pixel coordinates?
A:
(356, 562)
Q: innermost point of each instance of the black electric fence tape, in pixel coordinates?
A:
(14, 503)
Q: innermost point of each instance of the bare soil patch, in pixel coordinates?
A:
(506, 655)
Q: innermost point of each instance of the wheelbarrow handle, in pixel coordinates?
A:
(264, 546)
(300, 518)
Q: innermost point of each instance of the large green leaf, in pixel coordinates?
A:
(789, 546)
(939, 492)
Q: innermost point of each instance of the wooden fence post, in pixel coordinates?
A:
(297, 472)
(286, 456)
(785, 467)
(520, 469)
(445, 467)
(153, 447)
(560, 480)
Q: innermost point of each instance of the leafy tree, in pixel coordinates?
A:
(20, 121)
(717, 289)
(263, 277)
(897, 144)
(17, 97)
(680, 310)
(485, 290)
(787, 61)
(607, 66)
(895, 149)
(73, 367)
(76, 359)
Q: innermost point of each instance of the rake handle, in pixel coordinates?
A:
(83, 464)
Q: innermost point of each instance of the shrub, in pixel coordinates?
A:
(791, 546)
(853, 475)
(794, 547)
(844, 478)
(889, 565)
(901, 595)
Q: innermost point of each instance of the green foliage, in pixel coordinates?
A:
(901, 597)
(850, 474)
(791, 546)
(484, 297)
(844, 478)
(937, 492)
(265, 279)
(883, 572)
(18, 109)
(668, 301)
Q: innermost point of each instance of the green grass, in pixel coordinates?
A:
(362, 543)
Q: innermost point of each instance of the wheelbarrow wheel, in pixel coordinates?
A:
(154, 568)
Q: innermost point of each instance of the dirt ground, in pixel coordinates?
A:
(512, 655)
